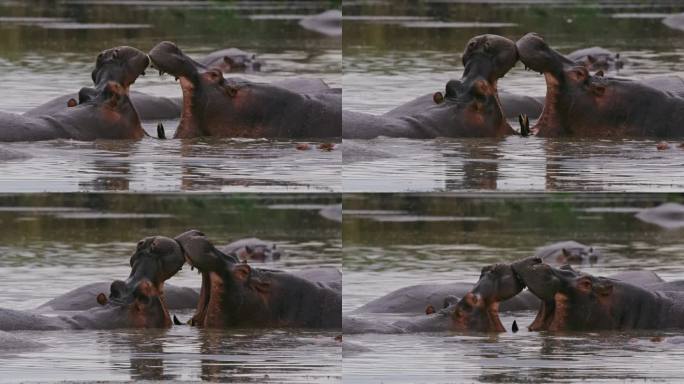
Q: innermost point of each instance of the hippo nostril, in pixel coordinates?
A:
(117, 289)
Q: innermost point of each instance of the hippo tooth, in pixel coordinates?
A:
(176, 78)
(160, 72)
(192, 268)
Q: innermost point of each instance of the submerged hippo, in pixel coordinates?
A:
(103, 112)
(568, 252)
(597, 58)
(574, 301)
(580, 104)
(236, 295)
(137, 302)
(470, 106)
(232, 60)
(214, 106)
(252, 250)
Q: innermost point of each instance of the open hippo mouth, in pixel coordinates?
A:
(197, 83)
(155, 260)
(211, 264)
(478, 310)
(552, 286)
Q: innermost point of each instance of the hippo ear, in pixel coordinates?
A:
(429, 310)
(438, 98)
(242, 272)
(591, 59)
(228, 60)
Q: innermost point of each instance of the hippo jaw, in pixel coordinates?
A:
(141, 296)
(479, 309)
(489, 56)
(197, 84)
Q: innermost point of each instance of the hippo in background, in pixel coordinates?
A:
(668, 215)
(597, 59)
(584, 105)
(235, 295)
(253, 250)
(568, 252)
(469, 107)
(574, 301)
(137, 302)
(232, 60)
(215, 106)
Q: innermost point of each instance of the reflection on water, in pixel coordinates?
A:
(51, 244)
(381, 256)
(38, 64)
(387, 64)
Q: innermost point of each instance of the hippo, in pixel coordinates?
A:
(416, 298)
(137, 302)
(575, 301)
(597, 59)
(477, 311)
(236, 295)
(568, 252)
(470, 106)
(580, 104)
(232, 60)
(103, 112)
(252, 250)
(233, 107)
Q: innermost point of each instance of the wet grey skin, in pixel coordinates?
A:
(137, 302)
(233, 107)
(575, 301)
(235, 295)
(469, 107)
(568, 252)
(584, 105)
(103, 112)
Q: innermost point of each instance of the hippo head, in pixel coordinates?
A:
(470, 106)
(570, 300)
(478, 309)
(575, 99)
(206, 94)
(139, 301)
(230, 289)
(105, 110)
(120, 64)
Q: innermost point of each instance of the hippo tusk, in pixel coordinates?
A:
(514, 328)
(176, 321)
(524, 125)
(160, 131)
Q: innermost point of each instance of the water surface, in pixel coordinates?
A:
(401, 240)
(394, 53)
(51, 244)
(48, 51)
